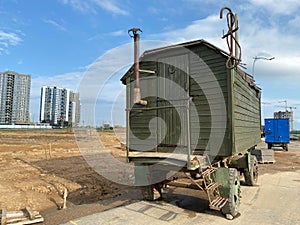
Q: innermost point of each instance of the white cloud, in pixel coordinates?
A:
(90, 6)
(295, 22)
(95, 37)
(117, 33)
(279, 77)
(256, 39)
(55, 24)
(286, 7)
(209, 28)
(284, 46)
(153, 10)
(111, 6)
(80, 5)
(69, 80)
(8, 39)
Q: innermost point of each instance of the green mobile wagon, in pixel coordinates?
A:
(197, 117)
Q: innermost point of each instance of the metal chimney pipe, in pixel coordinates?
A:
(137, 91)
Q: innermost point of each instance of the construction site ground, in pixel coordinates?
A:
(38, 165)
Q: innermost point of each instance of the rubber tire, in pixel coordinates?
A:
(151, 192)
(251, 176)
(269, 145)
(233, 204)
(285, 147)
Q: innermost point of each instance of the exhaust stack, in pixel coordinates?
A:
(137, 91)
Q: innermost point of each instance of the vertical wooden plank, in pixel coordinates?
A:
(209, 75)
(247, 113)
(232, 115)
(128, 103)
(172, 71)
(3, 216)
(140, 136)
(30, 213)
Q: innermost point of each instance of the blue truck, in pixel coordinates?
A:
(277, 133)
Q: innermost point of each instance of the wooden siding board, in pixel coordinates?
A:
(246, 114)
(209, 76)
(175, 119)
(140, 134)
(245, 111)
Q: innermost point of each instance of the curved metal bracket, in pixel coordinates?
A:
(232, 25)
(134, 31)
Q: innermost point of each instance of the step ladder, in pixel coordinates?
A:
(211, 187)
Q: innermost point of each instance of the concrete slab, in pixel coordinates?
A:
(264, 156)
(277, 201)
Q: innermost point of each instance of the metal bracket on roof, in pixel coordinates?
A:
(232, 23)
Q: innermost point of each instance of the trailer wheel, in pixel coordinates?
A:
(285, 147)
(151, 192)
(251, 176)
(269, 145)
(231, 209)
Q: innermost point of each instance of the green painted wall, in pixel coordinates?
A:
(233, 117)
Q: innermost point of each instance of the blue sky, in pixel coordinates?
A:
(56, 41)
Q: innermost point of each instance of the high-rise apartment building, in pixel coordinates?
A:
(58, 107)
(14, 98)
(74, 110)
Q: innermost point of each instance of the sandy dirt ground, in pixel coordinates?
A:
(38, 165)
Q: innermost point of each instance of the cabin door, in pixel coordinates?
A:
(172, 102)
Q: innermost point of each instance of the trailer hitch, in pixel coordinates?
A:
(232, 24)
(134, 33)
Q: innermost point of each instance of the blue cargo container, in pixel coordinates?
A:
(277, 133)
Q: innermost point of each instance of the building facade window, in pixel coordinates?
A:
(15, 97)
(56, 107)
